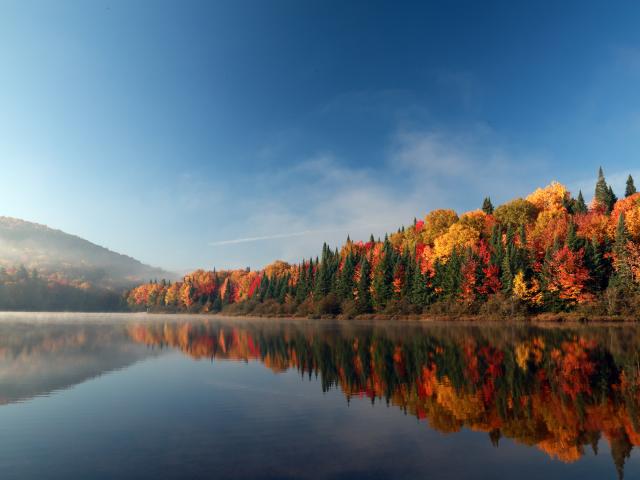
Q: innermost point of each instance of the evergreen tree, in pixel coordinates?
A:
(572, 237)
(631, 188)
(622, 277)
(604, 193)
(611, 198)
(580, 206)
(383, 277)
(419, 294)
(602, 190)
(363, 303)
(487, 206)
(345, 283)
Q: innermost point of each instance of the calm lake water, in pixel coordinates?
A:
(140, 396)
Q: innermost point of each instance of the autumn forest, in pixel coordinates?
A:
(547, 253)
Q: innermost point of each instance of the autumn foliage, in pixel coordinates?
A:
(545, 252)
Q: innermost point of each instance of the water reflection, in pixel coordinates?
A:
(558, 389)
(37, 359)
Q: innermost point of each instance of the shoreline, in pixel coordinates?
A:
(542, 318)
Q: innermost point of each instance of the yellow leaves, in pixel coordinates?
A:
(277, 268)
(630, 207)
(516, 213)
(436, 223)
(172, 295)
(458, 235)
(530, 294)
(475, 219)
(551, 197)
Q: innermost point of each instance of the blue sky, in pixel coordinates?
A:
(188, 134)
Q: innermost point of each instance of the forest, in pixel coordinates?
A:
(548, 252)
(23, 290)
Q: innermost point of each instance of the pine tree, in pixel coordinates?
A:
(487, 206)
(622, 277)
(580, 206)
(631, 188)
(611, 199)
(363, 303)
(419, 291)
(383, 277)
(572, 237)
(602, 191)
(345, 284)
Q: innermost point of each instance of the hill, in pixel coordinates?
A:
(68, 258)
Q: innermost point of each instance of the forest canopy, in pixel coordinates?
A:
(548, 252)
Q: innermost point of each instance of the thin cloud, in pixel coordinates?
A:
(277, 236)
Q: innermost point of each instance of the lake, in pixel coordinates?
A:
(153, 396)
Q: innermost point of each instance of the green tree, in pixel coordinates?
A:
(631, 188)
(604, 193)
(622, 277)
(363, 303)
(487, 206)
(383, 277)
(580, 206)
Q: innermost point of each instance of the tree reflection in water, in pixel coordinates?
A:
(558, 389)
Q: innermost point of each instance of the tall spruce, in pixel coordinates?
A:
(580, 206)
(419, 295)
(604, 193)
(363, 302)
(630, 188)
(622, 277)
(487, 206)
(383, 277)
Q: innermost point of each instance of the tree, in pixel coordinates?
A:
(604, 195)
(487, 206)
(631, 188)
(363, 302)
(515, 213)
(580, 206)
(345, 283)
(383, 278)
(419, 294)
(623, 276)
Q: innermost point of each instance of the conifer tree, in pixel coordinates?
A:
(622, 277)
(631, 188)
(572, 237)
(345, 284)
(487, 206)
(419, 291)
(602, 190)
(363, 303)
(383, 277)
(580, 205)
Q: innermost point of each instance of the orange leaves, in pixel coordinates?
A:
(568, 277)
(630, 207)
(593, 224)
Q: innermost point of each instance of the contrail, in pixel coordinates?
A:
(265, 237)
(290, 235)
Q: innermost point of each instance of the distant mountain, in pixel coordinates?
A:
(56, 254)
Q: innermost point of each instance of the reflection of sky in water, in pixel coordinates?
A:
(170, 416)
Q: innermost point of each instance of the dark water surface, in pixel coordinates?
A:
(138, 396)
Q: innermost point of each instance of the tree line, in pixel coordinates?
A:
(548, 252)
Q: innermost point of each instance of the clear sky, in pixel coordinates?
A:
(231, 133)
